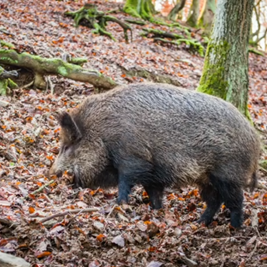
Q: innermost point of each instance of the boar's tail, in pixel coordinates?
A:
(253, 182)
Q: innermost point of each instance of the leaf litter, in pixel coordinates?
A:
(62, 226)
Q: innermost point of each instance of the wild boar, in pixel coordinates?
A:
(158, 135)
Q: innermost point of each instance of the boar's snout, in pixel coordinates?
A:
(53, 171)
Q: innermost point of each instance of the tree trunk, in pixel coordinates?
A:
(140, 8)
(207, 15)
(176, 9)
(193, 13)
(225, 72)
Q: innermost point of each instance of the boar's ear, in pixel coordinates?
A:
(68, 124)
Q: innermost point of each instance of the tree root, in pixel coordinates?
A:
(6, 83)
(149, 75)
(256, 52)
(54, 66)
(137, 22)
(89, 16)
(158, 35)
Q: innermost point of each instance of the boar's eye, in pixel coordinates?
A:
(65, 148)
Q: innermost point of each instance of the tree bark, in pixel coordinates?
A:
(207, 15)
(140, 8)
(176, 9)
(225, 72)
(193, 13)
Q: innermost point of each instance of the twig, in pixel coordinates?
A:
(114, 206)
(68, 212)
(9, 223)
(189, 262)
(51, 85)
(253, 251)
(42, 187)
(28, 85)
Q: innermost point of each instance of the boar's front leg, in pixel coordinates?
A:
(155, 195)
(132, 171)
(124, 189)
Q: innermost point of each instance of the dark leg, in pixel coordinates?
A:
(124, 190)
(155, 196)
(232, 196)
(213, 200)
(131, 171)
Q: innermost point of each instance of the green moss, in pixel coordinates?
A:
(131, 7)
(6, 44)
(3, 86)
(212, 81)
(140, 9)
(8, 59)
(62, 71)
(12, 84)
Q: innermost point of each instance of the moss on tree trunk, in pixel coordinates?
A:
(193, 13)
(225, 72)
(140, 8)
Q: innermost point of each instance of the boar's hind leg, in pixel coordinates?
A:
(213, 200)
(232, 196)
(155, 196)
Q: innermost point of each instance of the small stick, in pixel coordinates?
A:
(42, 187)
(114, 206)
(68, 212)
(253, 251)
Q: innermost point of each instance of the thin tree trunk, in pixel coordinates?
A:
(176, 9)
(225, 72)
(193, 13)
(207, 15)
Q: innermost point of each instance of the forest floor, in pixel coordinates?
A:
(110, 235)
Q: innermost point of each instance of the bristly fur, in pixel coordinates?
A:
(158, 135)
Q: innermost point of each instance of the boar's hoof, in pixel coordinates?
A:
(122, 201)
(205, 220)
(236, 219)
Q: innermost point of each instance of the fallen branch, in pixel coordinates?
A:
(149, 75)
(68, 212)
(54, 66)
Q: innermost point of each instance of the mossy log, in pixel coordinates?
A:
(159, 35)
(54, 66)
(6, 82)
(89, 16)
